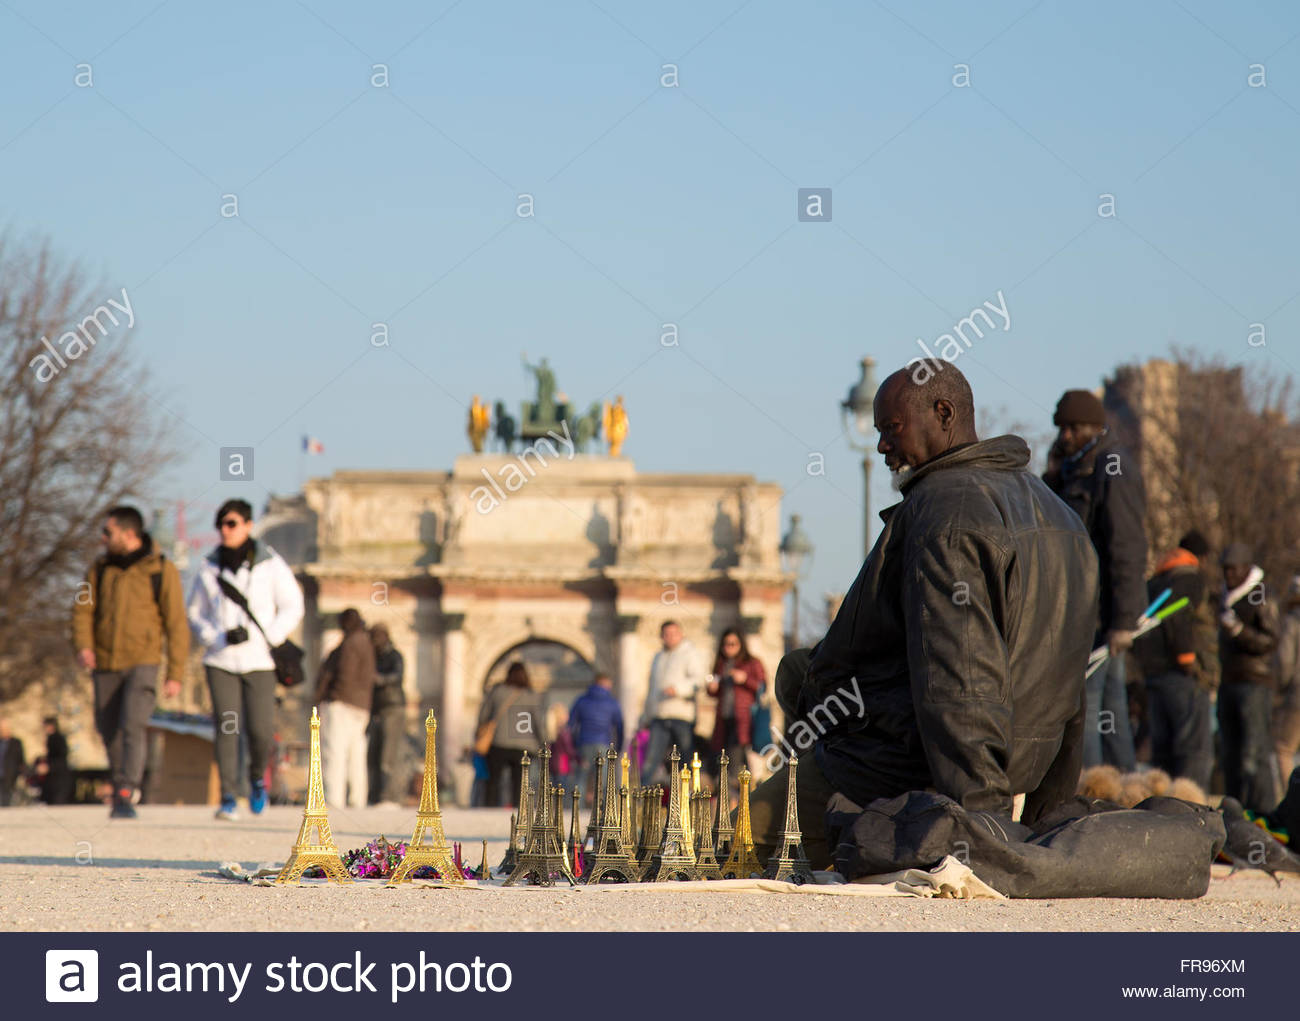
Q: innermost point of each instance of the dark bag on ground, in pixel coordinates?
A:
(1162, 848)
(286, 656)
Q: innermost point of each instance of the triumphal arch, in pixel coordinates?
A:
(568, 560)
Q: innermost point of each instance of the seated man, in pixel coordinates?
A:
(956, 661)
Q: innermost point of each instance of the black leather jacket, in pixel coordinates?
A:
(968, 631)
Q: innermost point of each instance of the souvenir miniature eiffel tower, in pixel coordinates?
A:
(675, 857)
(706, 863)
(725, 830)
(520, 824)
(321, 851)
(612, 858)
(688, 822)
(589, 841)
(652, 834)
(428, 844)
(544, 858)
(742, 862)
(575, 842)
(790, 864)
(484, 873)
(625, 795)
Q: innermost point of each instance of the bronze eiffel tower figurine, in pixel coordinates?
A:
(790, 864)
(742, 862)
(652, 829)
(589, 841)
(484, 873)
(544, 858)
(675, 857)
(428, 844)
(519, 825)
(575, 842)
(315, 845)
(612, 858)
(706, 864)
(725, 829)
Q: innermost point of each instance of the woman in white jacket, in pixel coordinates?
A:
(238, 663)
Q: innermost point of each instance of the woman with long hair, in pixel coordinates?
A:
(517, 712)
(737, 680)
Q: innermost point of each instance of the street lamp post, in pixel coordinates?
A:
(859, 429)
(796, 551)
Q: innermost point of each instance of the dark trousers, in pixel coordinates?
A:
(734, 749)
(1107, 736)
(502, 763)
(387, 755)
(242, 704)
(663, 734)
(124, 701)
(1248, 760)
(1178, 710)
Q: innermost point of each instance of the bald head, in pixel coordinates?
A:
(922, 411)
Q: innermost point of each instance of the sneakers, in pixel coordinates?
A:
(227, 812)
(123, 807)
(257, 797)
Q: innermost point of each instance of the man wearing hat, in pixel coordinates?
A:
(1173, 660)
(1248, 632)
(1101, 483)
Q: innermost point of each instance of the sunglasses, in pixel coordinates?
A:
(231, 523)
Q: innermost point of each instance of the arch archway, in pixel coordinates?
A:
(554, 667)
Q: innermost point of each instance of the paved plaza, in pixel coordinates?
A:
(70, 868)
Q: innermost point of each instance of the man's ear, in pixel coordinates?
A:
(945, 413)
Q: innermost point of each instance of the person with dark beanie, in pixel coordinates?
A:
(1248, 632)
(1101, 483)
(238, 663)
(1173, 659)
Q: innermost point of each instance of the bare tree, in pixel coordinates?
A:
(1220, 452)
(71, 445)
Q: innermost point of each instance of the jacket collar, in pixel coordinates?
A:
(1002, 453)
(261, 553)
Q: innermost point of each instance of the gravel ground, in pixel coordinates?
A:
(72, 869)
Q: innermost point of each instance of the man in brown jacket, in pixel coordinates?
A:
(344, 692)
(130, 602)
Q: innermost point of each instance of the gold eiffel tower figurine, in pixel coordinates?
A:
(321, 851)
(725, 831)
(675, 858)
(790, 864)
(742, 862)
(544, 858)
(612, 858)
(625, 792)
(428, 844)
(706, 863)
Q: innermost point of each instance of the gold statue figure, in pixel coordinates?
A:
(480, 419)
(614, 422)
(428, 844)
(321, 851)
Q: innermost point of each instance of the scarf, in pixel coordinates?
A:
(233, 559)
(1236, 595)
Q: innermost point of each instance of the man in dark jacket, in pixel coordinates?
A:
(1172, 660)
(13, 763)
(388, 744)
(1248, 631)
(956, 660)
(596, 723)
(1101, 483)
(344, 692)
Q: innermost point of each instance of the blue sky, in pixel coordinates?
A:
(653, 204)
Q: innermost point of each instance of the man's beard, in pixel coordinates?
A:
(899, 476)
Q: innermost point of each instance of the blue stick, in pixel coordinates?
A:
(1160, 601)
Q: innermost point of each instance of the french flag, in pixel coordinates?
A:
(311, 445)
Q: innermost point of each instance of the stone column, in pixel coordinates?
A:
(454, 731)
(631, 682)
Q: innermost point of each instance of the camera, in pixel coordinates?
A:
(236, 635)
